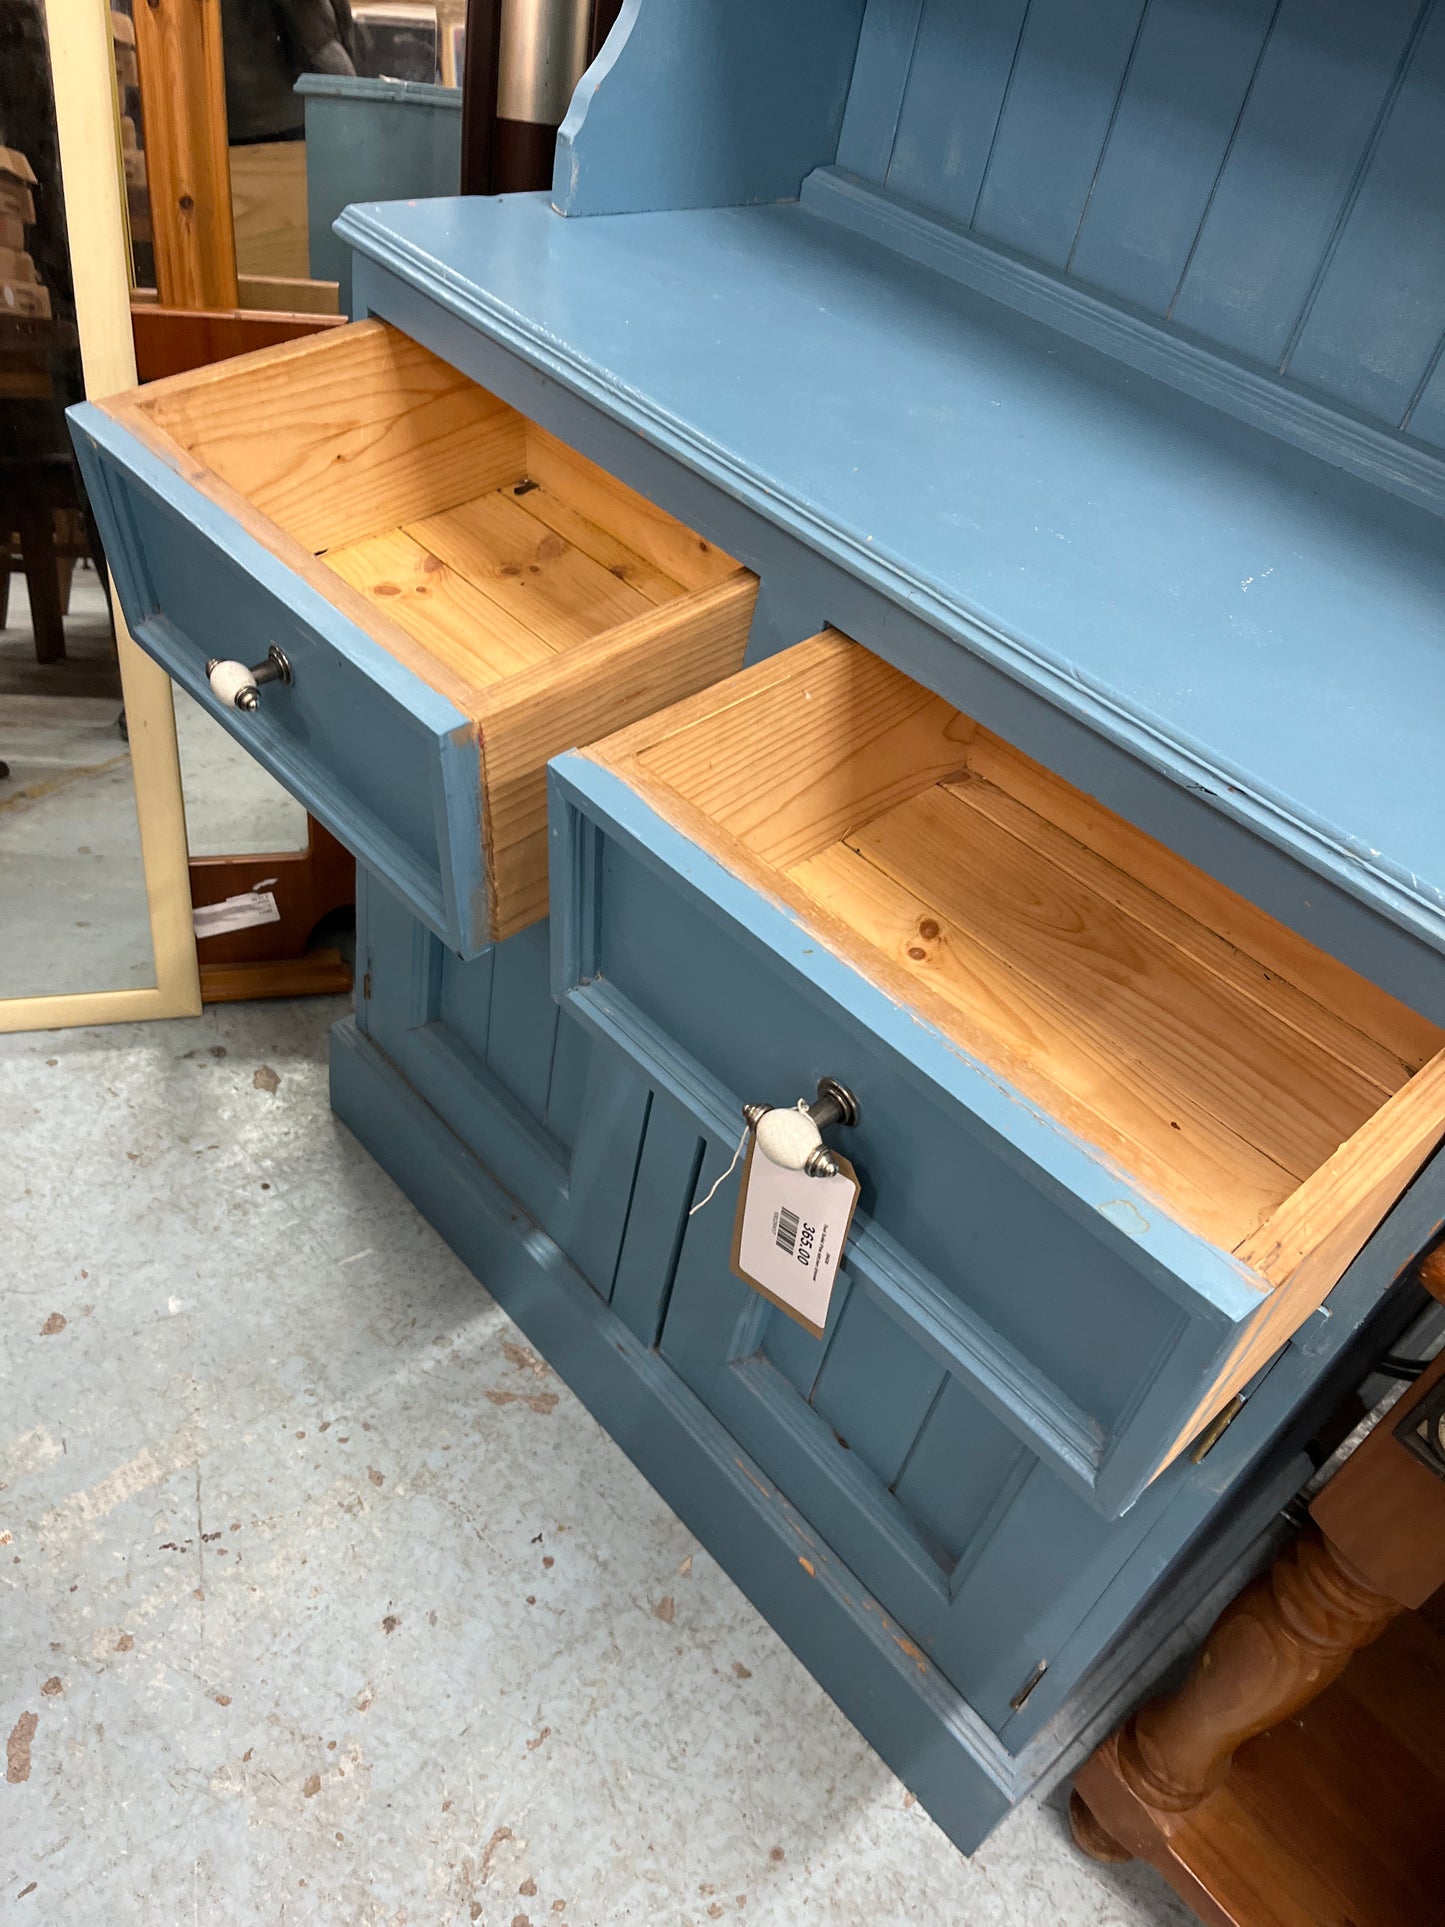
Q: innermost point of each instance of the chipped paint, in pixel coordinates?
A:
(1126, 1214)
(753, 1479)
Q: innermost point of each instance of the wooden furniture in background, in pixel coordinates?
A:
(58, 543)
(178, 44)
(268, 202)
(273, 959)
(171, 341)
(1296, 1778)
(35, 495)
(39, 494)
(25, 346)
(289, 294)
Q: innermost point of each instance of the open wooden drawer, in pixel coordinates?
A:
(455, 594)
(1121, 1133)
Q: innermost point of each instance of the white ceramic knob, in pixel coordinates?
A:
(238, 687)
(230, 681)
(788, 1138)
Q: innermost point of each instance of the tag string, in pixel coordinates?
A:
(719, 1182)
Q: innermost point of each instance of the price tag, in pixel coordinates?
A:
(236, 913)
(789, 1233)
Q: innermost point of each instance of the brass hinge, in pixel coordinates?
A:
(1029, 1684)
(1216, 1429)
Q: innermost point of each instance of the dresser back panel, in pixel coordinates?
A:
(1261, 175)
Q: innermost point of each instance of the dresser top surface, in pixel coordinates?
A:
(1236, 609)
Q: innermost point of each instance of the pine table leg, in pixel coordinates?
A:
(1273, 1650)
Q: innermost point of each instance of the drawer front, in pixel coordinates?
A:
(387, 764)
(556, 1116)
(457, 596)
(1121, 1132)
(1074, 1324)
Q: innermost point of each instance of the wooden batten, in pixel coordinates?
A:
(179, 49)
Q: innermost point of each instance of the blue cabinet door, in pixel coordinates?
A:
(555, 1115)
(1085, 1347)
(986, 1559)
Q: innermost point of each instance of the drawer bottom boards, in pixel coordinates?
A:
(926, 1627)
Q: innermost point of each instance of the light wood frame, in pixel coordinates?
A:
(83, 74)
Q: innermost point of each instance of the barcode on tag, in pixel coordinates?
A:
(789, 1234)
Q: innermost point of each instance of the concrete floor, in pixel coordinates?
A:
(324, 1601)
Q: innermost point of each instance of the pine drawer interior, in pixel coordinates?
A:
(546, 600)
(1273, 1101)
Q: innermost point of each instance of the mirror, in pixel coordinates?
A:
(75, 915)
(94, 902)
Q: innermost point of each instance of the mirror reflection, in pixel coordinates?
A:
(73, 911)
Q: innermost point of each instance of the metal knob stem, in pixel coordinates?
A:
(234, 683)
(835, 1104)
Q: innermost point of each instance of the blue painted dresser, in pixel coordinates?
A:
(920, 562)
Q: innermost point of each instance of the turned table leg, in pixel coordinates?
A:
(1090, 1836)
(1271, 1652)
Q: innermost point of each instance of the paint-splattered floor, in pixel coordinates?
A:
(322, 1600)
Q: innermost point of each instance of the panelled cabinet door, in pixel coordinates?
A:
(556, 1116)
(1120, 1132)
(985, 1558)
(401, 597)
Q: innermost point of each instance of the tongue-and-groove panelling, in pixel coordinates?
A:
(1267, 176)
